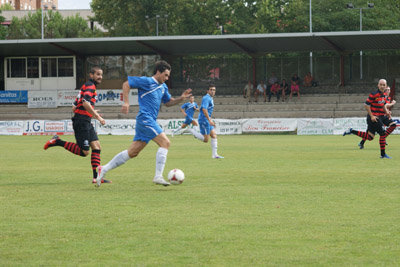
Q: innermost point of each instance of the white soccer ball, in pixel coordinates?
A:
(176, 176)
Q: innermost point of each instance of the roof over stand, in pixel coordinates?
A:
(252, 44)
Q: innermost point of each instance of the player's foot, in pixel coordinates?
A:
(348, 131)
(103, 181)
(160, 180)
(386, 157)
(51, 142)
(173, 133)
(100, 176)
(218, 157)
(361, 145)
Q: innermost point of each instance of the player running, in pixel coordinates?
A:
(206, 123)
(188, 110)
(377, 117)
(152, 91)
(389, 104)
(85, 134)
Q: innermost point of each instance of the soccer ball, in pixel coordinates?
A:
(176, 176)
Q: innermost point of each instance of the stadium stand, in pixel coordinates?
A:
(226, 107)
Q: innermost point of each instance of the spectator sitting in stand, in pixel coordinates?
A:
(273, 79)
(261, 89)
(294, 87)
(275, 90)
(285, 89)
(308, 80)
(248, 88)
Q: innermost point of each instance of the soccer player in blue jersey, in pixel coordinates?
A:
(206, 124)
(188, 111)
(152, 91)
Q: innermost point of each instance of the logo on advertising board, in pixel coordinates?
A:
(13, 96)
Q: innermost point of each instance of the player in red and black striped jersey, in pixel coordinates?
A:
(85, 134)
(378, 116)
(389, 105)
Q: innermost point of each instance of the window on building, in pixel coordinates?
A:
(65, 67)
(33, 67)
(49, 67)
(16, 68)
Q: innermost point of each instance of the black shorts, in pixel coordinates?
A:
(84, 133)
(378, 126)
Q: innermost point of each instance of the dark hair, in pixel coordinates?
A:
(94, 69)
(161, 66)
(210, 85)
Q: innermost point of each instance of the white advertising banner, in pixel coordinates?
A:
(269, 125)
(42, 99)
(117, 127)
(114, 97)
(228, 126)
(11, 127)
(314, 126)
(342, 124)
(66, 98)
(40, 127)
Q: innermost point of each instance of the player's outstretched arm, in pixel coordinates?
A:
(94, 112)
(125, 94)
(173, 101)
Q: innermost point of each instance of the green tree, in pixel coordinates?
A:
(3, 29)
(55, 26)
(6, 6)
(128, 18)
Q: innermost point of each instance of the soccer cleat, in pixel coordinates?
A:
(386, 157)
(361, 145)
(103, 181)
(348, 131)
(100, 176)
(160, 180)
(218, 157)
(51, 142)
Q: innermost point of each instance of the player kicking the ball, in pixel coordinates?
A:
(188, 110)
(152, 91)
(206, 124)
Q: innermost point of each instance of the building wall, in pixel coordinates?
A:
(30, 4)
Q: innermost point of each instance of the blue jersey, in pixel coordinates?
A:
(207, 103)
(189, 108)
(150, 96)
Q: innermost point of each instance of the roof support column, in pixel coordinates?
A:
(254, 61)
(341, 69)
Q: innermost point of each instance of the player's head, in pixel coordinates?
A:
(211, 89)
(382, 85)
(162, 71)
(96, 74)
(387, 90)
(191, 99)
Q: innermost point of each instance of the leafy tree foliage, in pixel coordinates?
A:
(55, 26)
(192, 17)
(3, 30)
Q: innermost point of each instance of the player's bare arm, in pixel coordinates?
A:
(125, 94)
(93, 112)
(173, 101)
(368, 108)
(208, 117)
(183, 112)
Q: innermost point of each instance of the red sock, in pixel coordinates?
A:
(74, 148)
(95, 161)
(382, 144)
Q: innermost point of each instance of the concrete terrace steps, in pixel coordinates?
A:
(228, 107)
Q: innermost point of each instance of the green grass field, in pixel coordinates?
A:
(273, 200)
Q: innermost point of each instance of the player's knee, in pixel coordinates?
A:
(369, 137)
(84, 153)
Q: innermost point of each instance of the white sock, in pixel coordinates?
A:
(161, 158)
(197, 134)
(214, 146)
(177, 130)
(118, 160)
